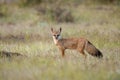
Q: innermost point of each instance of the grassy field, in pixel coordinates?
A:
(24, 34)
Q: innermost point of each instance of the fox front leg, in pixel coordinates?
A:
(62, 52)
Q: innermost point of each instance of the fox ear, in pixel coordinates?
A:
(60, 29)
(51, 29)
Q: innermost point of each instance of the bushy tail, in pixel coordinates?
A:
(92, 50)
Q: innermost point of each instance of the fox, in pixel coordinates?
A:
(79, 44)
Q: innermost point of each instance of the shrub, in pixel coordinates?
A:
(57, 14)
(4, 11)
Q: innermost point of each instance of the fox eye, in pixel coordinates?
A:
(56, 35)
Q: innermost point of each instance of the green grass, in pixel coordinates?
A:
(44, 61)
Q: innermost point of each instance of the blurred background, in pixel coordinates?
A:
(27, 51)
(56, 11)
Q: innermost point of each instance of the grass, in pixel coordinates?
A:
(44, 60)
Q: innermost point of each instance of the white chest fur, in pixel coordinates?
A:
(56, 40)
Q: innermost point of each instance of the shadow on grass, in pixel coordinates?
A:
(10, 54)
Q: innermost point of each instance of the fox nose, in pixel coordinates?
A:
(56, 36)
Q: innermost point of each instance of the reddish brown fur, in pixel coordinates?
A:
(79, 44)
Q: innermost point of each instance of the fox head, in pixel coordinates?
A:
(56, 34)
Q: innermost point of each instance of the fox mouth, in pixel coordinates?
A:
(57, 37)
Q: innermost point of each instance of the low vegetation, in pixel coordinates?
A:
(26, 31)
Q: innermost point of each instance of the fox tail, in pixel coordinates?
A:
(92, 50)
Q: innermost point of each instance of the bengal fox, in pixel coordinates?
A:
(79, 44)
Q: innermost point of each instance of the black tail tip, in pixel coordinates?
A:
(99, 54)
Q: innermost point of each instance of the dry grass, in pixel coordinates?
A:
(44, 60)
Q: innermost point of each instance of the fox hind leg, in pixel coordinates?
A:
(82, 52)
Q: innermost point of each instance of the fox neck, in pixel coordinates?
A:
(56, 40)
